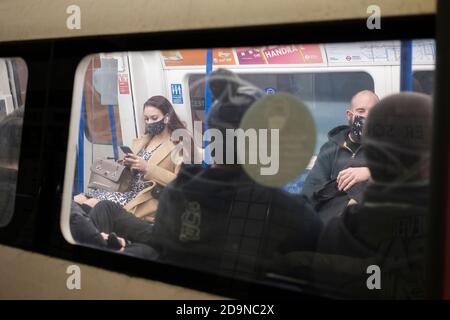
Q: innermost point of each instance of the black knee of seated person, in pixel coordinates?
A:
(141, 251)
(108, 206)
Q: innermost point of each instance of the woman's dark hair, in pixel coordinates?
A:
(174, 123)
(165, 107)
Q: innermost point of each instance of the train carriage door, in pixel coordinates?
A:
(146, 79)
(108, 116)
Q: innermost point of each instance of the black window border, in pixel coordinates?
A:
(52, 63)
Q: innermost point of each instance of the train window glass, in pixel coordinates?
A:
(13, 84)
(327, 94)
(423, 81)
(198, 177)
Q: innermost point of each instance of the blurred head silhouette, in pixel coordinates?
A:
(397, 138)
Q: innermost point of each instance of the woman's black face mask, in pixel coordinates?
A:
(357, 127)
(155, 128)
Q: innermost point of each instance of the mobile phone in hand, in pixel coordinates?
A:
(126, 149)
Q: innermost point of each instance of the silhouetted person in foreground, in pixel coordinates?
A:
(218, 219)
(388, 228)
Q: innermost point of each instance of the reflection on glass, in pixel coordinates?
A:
(13, 78)
(351, 225)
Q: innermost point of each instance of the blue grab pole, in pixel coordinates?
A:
(406, 66)
(112, 123)
(80, 162)
(208, 100)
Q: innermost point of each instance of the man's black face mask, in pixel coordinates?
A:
(357, 127)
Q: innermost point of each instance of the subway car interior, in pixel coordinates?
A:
(243, 155)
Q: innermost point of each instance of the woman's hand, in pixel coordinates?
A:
(80, 198)
(91, 202)
(136, 163)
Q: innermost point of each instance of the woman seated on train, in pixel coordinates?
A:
(151, 163)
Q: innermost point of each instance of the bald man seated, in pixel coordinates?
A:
(388, 228)
(340, 172)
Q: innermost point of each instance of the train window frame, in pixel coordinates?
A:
(71, 157)
(49, 240)
(76, 109)
(17, 86)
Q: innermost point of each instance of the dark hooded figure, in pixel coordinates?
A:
(387, 230)
(217, 219)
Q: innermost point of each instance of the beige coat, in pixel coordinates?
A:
(160, 169)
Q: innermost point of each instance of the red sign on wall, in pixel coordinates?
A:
(282, 55)
(250, 56)
(311, 53)
(197, 57)
(124, 87)
(293, 54)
